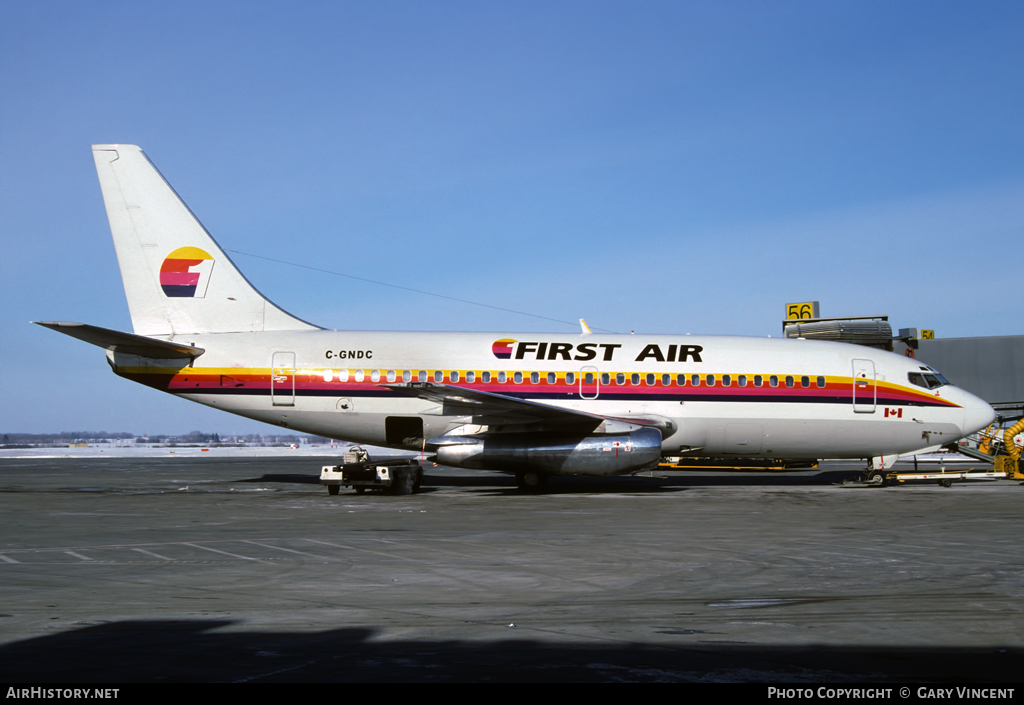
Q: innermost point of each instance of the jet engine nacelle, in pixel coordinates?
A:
(556, 454)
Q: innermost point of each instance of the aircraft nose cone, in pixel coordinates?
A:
(977, 415)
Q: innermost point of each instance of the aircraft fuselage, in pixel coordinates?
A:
(721, 396)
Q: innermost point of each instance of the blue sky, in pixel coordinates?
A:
(678, 167)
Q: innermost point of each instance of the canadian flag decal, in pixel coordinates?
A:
(898, 413)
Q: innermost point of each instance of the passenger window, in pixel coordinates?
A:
(805, 382)
(375, 376)
(360, 375)
(758, 380)
(517, 378)
(343, 376)
(666, 380)
(570, 378)
(726, 380)
(789, 381)
(438, 376)
(552, 378)
(634, 379)
(742, 380)
(821, 382)
(391, 375)
(407, 375)
(710, 380)
(695, 380)
(485, 377)
(453, 376)
(502, 377)
(588, 378)
(534, 377)
(328, 375)
(605, 378)
(470, 377)
(422, 376)
(650, 380)
(773, 380)
(620, 378)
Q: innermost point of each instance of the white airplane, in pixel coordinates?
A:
(536, 404)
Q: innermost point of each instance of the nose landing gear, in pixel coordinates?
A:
(875, 477)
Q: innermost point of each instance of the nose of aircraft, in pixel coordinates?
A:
(978, 414)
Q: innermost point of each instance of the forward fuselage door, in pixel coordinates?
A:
(282, 379)
(865, 391)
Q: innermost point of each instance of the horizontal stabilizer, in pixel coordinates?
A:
(116, 341)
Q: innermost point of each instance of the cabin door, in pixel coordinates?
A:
(865, 392)
(282, 379)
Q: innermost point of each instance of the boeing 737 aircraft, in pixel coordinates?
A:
(536, 404)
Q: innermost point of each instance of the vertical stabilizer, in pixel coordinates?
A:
(176, 277)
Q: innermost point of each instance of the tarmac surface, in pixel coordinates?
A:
(245, 570)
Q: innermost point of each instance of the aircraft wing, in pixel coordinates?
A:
(129, 343)
(500, 408)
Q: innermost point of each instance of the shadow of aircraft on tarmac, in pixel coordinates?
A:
(206, 650)
(504, 483)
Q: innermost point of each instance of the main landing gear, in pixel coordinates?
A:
(531, 480)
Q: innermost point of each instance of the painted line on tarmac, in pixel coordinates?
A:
(80, 556)
(364, 550)
(150, 553)
(290, 550)
(217, 550)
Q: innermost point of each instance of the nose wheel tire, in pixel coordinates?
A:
(876, 477)
(531, 480)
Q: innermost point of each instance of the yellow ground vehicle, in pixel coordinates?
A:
(996, 445)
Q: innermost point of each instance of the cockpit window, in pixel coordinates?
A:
(927, 380)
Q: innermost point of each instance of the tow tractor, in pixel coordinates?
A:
(396, 477)
(944, 477)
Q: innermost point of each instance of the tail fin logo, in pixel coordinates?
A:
(185, 273)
